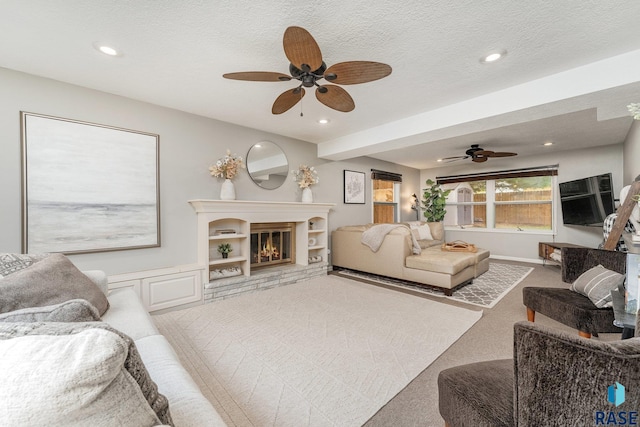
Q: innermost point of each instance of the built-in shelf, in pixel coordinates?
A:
(230, 260)
(227, 236)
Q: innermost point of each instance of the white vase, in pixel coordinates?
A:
(307, 195)
(228, 190)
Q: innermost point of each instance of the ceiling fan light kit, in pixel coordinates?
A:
(307, 66)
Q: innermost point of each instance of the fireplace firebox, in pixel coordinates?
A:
(272, 243)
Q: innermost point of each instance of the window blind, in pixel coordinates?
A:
(511, 173)
(386, 176)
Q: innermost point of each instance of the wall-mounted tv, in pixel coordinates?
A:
(587, 201)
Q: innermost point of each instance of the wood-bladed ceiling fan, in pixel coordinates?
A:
(308, 67)
(479, 155)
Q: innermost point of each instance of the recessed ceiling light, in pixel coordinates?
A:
(548, 143)
(493, 56)
(439, 160)
(106, 49)
(323, 121)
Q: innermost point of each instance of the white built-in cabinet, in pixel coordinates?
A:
(183, 286)
(163, 288)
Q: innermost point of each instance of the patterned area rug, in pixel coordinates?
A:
(329, 351)
(485, 291)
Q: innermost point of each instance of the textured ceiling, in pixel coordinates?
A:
(175, 52)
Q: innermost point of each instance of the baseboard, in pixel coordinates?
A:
(511, 258)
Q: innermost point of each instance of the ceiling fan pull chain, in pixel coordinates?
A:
(301, 114)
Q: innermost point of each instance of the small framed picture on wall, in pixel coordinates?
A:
(354, 187)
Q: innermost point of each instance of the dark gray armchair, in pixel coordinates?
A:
(571, 308)
(554, 379)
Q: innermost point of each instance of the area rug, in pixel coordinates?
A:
(325, 352)
(485, 291)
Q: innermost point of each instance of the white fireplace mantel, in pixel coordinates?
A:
(311, 241)
(248, 208)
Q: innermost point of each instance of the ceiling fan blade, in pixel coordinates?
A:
(354, 72)
(287, 99)
(301, 49)
(503, 154)
(258, 76)
(479, 159)
(335, 97)
(483, 153)
(455, 158)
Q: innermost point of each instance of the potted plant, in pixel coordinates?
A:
(434, 199)
(224, 249)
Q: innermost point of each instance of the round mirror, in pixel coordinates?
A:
(267, 165)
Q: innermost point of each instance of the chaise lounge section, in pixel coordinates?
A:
(396, 258)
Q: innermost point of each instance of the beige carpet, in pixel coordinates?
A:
(325, 352)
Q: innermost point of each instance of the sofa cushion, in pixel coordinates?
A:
(597, 284)
(50, 281)
(10, 263)
(127, 314)
(426, 244)
(75, 310)
(90, 370)
(189, 407)
(437, 230)
(421, 230)
(441, 262)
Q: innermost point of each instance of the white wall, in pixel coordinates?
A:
(352, 214)
(572, 165)
(632, 153)
(188, 145)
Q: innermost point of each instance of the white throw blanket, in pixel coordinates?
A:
(374, 236)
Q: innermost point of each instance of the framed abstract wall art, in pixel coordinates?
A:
(354, 187)
(87, 187)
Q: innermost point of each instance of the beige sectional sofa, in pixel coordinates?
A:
(396, 258)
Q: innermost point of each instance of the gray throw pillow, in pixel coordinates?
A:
(11, 263)
(75, 310)
(597, 284)
(47, 282)
(95, 380)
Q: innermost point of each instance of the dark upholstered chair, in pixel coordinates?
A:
(568, 307)
(554, 379)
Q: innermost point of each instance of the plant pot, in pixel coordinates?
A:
(225, 255)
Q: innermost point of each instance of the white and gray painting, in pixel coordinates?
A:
(89, 188)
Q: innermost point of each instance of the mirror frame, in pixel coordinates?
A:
(268, 183)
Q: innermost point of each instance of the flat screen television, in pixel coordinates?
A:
(587, 201)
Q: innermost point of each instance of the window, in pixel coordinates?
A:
(513, 200)
(386, 194)
(466, 204)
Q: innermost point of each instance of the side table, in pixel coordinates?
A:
(624, 320)
(545, 249)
